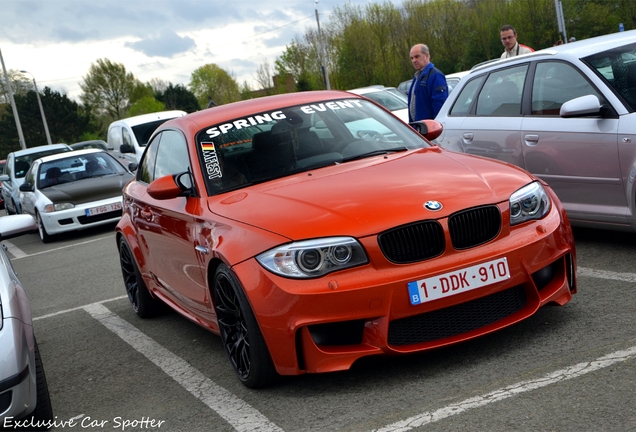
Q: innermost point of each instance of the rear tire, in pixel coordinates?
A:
(240, 333)
(144, 305)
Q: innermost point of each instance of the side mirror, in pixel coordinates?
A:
(26, 187)
(581, 106)
(126, 148)
(16, 225)
(429, 129)
(5, 177)
(133, 166)
(171, 186)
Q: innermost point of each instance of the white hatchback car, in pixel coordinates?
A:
(567, 114)
(74, 191)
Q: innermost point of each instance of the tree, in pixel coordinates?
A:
(212, 83)
(146, 105)
(66, 122)
(178, 97)
(107, 88)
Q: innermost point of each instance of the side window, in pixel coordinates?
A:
(501, 95)
(556, 83)
(30, 175)
(461, 107)
(126, 137)
(172, 155)
(146, 169)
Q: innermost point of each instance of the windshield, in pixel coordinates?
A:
(263, 146)
(77, 168)
(617, 67)
(23, 163)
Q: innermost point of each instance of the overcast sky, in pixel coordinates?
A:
(58, 40)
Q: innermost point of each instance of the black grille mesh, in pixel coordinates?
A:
(470, 228)
(458, 319)
(414, 242)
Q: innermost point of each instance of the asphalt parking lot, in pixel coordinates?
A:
(567, 368)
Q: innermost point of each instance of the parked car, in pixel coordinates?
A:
(567, 115)
(313, 229)
(24, 394)
(98, 144)
(70, 192)
(451, 80)
(17, 165)
(389, 97)
(128, 137)
(2, 164)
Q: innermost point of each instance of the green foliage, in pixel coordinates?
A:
(66, 122)
(145, 105)
(212, 83)
(108, 88)
(178, 97)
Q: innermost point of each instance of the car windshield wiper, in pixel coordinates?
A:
(375, 153)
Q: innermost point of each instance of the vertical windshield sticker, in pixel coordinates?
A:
(212, 165)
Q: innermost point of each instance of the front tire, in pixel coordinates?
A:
(144, 305)
(43, 413)
(44, 236)
(240, 333)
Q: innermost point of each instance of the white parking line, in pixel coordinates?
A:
(512, 390)
(234, 410)
(19, 253)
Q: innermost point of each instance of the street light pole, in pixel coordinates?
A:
(322, 51)
(12, 102)
(37, 94)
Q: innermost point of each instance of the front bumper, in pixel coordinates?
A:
(76, 218)
(326, 324)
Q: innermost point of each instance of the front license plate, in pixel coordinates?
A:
(459, 281)
(103, 209)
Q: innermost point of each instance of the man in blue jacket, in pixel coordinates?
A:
(428, 90)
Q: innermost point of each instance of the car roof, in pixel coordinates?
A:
(36, 149)
(572, 50)
(74, 153)
(147, 118)
(369, 89)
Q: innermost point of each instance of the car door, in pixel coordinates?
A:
(577, 156)
(28, 198)
(170, 229)
(485, 119)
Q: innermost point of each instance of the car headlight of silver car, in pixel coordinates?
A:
(313, 258)
(49, 208)
(529, 203)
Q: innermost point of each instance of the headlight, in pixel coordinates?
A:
(313, 258)
(49, 208)
(529, 203)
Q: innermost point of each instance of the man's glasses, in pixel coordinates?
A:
(503, 39)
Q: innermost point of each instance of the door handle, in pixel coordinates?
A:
(468, 137)
(531, 140)
(146, 214)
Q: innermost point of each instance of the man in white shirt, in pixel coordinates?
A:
(513, 48)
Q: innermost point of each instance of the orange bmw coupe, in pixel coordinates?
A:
(312, 229)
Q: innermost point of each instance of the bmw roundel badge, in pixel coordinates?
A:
(433, 205)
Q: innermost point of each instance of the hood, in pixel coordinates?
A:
(88, 190)
(371, 195)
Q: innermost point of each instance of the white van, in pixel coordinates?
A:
(128, 137)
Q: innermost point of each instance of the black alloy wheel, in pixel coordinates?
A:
(142, 302)
(240, 333)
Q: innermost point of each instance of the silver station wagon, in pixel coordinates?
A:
(567, 115)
